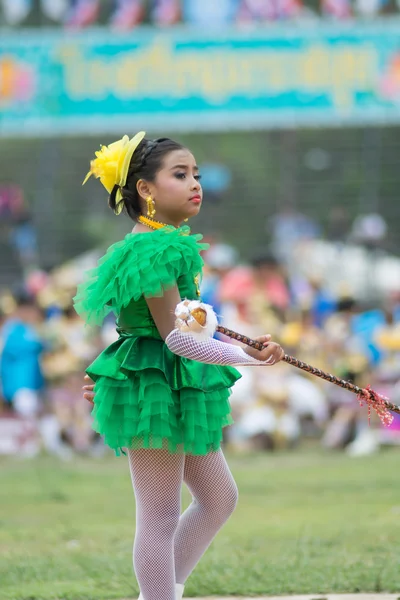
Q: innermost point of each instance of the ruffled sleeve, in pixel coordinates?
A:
(141, 265)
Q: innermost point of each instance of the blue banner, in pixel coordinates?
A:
(52, 83)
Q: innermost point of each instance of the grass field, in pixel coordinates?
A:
(307, 522)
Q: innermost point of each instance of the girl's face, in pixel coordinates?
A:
(176, 191)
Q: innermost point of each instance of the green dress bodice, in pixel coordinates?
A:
(136, 317)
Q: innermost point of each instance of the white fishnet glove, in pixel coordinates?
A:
(210, 351)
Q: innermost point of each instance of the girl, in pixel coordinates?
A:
(166, 409)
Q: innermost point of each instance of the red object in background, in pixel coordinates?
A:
(11, 200)
(389, 85)
(36, 281)
(288, 9)
(129, 14)
(166, 12)
(83, 14)
(267, 10)
(239, 284)
(339, 9)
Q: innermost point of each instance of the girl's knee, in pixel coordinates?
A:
(222, 502)
(232, 497)
(160, 526)
(159, 517)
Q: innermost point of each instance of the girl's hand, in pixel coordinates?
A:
(271, 352)
(88, 393)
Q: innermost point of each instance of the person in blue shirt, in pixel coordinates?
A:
(21, 374)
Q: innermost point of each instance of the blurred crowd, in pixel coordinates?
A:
(276, 408)
(127, 14)
(45, 348)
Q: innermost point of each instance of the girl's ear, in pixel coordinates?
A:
(143, 189)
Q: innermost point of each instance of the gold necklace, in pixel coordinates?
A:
(152, 223)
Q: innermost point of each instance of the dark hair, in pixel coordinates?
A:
(145, 163)
(262, 258)
(346, 304)
(22, 297)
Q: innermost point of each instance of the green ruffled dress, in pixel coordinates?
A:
(146, 396)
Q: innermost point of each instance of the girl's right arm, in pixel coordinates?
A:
(210, 351)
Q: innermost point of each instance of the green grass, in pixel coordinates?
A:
(307, 522)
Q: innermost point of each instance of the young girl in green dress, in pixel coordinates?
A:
(166, 411)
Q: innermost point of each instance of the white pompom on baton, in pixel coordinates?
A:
(196, 318)
(199, 320)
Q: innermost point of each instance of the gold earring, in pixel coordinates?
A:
(186, 220)
(151, 207)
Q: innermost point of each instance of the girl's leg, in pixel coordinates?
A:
(215, 496)
(157, 480)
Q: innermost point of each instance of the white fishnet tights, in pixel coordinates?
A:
(168, 546)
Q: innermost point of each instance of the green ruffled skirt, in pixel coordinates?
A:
(148, 397)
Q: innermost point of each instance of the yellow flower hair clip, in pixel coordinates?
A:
(111, 165)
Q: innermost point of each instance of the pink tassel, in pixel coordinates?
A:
(374, 400)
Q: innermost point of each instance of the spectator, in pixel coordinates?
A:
(270, 281)
(288, 228)
(20, 366)
(23, 239)
(369, 230)
(322, 304)
(262, 282)
(338, 224)
(219, 259)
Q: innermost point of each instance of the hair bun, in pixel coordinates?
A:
(148, 150)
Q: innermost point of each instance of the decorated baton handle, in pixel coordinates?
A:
(363, 393)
